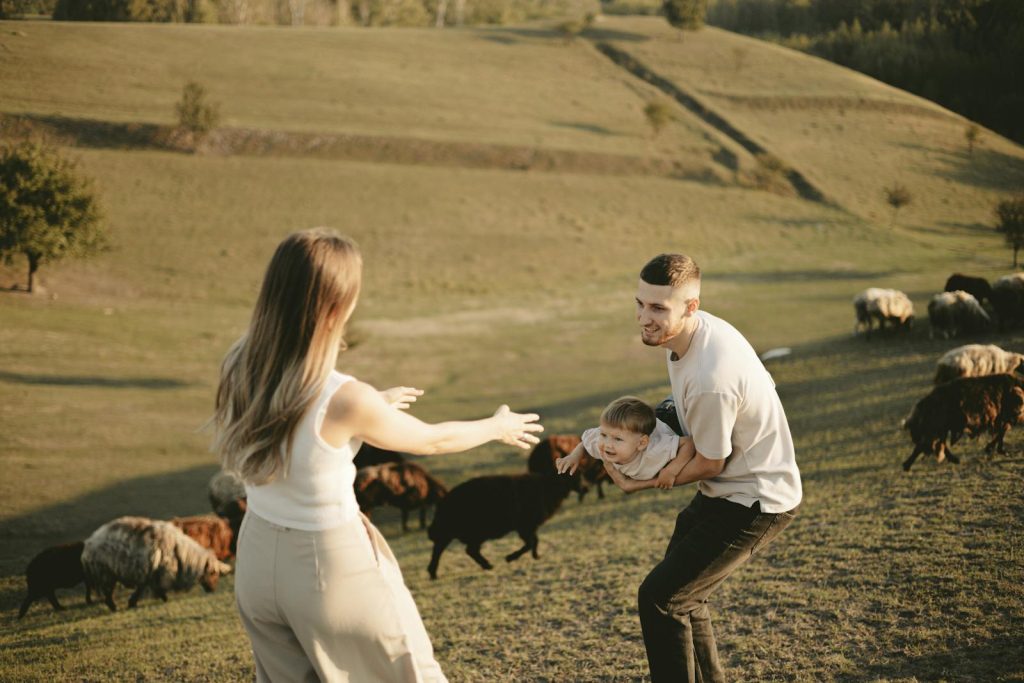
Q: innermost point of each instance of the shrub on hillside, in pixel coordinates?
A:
(897, 196)
(1010, 222)
(770, 174)
(658, 114)
(196, 114)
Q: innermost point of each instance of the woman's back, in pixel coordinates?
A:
(316, 491)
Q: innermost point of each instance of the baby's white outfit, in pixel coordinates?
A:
(660, 449)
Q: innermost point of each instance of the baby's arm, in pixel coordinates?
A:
(569, 463)
(667, 476)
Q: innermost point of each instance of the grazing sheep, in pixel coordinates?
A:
(976, 360)
(969, 405)
(884, 305)
(953, 313)
(143, 553)
(403, 485)
(369, 455)
(210, 532)
(489, 507)
(53, 568)
(590, 471)
(224, 487)
(1008, 300)
(978, 287)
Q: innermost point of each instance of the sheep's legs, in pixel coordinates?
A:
(108, 598)
(529, 544)
(913, 456)
(405, 520)
(88, 593)
(435, 558)
(997, 443)
(473, 550)
(25, 605)
(134, 599)
(423, 516)
(52, 597)
(600, 489)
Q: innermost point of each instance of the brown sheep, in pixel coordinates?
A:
(210, 532)
(485, 508)
(590, 471)
(403, 485)
(968, 405)
(56, 567)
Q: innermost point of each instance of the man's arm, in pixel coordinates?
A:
(684, 453)
(695, 469)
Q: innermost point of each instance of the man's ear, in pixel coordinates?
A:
(693, 305)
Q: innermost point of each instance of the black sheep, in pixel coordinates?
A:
(486, 508)
(978, 287)
(56, 567)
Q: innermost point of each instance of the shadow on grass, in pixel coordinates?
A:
(160, 496)
(988, 661)
(86, 381)
(585, 127)
(985, 168)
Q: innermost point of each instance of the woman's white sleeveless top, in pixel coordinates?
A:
(316, 492)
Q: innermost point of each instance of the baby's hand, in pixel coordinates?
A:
(666, 479)
(566, 464)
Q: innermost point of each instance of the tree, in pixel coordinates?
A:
(47, 211)
(685, 15)
(897, 197)
(972, 134)
(658, 114)
(1010, 222)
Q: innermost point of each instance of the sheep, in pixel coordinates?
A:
(210, 532)
(976, 360)
(224, 487)
(1008, 300)
(953, 313)
(978, 287)
(56, 567)
(144, 553)
(542, 461)
(228, 500)
(883, 305)
(369, 455)
(404, 485)
(968, 405)
(489, 507)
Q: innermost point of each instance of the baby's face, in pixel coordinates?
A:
(620, 446)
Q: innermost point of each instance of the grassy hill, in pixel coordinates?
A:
(489, 285)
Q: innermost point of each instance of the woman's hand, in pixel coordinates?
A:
(401, 397)
(514, 428)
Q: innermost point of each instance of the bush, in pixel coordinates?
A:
(658, 114)
(770, 174)
(897, 196)
(195, 114)
(1010, 222)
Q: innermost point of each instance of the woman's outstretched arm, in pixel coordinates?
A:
(358, 411)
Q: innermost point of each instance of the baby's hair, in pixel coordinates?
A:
(631, 414)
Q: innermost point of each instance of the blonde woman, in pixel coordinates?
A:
(319, 591)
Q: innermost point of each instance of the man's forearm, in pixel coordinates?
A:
(698, 469)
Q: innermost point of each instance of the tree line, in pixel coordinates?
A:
(301, 12)
(964, 54)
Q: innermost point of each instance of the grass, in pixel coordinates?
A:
(490, 286)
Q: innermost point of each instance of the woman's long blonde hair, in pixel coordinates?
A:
(272, 375)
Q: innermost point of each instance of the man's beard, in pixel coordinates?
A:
(666, 336)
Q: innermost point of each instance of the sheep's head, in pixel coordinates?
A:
(214, 570)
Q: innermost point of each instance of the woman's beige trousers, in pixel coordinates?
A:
(329, 606)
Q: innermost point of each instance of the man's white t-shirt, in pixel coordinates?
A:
(661, 448)
(727, 400)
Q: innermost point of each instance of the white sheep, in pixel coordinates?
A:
(225, 488)
(144, 553)
(883, 305)
(975, 360)
(950, 313)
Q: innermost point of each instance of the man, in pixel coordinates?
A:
(748, 482)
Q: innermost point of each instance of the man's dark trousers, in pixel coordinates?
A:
(712, 538)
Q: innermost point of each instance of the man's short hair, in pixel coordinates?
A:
(676, 270)
(631, 414)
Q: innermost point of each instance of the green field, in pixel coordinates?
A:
(489, 285)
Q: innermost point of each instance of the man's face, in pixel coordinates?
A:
(662, 310)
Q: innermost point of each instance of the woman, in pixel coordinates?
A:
(319, 592)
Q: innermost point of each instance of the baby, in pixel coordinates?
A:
(635, 442)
